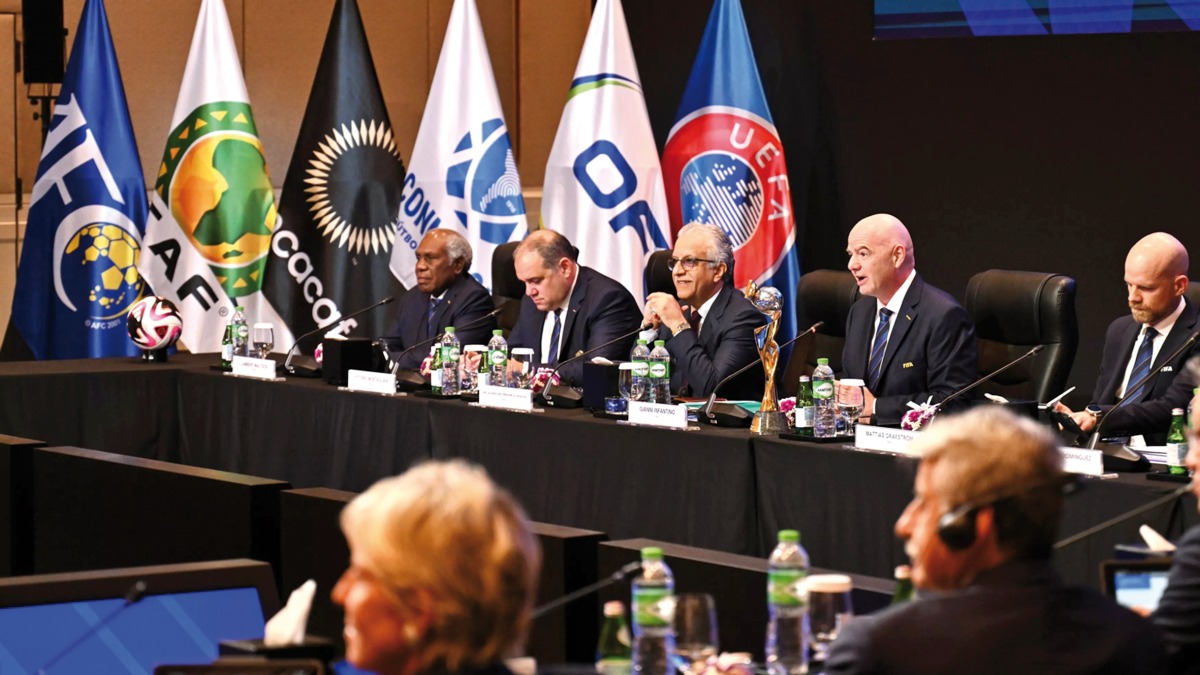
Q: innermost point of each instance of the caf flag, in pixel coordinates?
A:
(78, 276)
(340, 198)
(212, 211)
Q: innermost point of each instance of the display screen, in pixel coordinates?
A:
(896, 19)
(1140, 588)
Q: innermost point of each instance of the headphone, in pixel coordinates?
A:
(956, 527)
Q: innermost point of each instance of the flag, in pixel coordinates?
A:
(604, 188)
(212, 211)
(329, 255)
(462, 173)
(78, 273)
(723, 162)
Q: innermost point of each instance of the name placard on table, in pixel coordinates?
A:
(1082, 460)
(505, 398)
(259, 369)
(658, 415)
(370, 382)
(883, 439)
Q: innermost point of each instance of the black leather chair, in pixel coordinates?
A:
(507, 289)
(821, 295)
(1013, 311)
(658, 276)
(1193, 292)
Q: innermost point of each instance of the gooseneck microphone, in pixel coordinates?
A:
(986, 378)
(413, 379)
(132, 596)
(562, 396)
(1113, 522)
(310, 369)
(611, 579)
(729, 412)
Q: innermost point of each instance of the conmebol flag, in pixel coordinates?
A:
(604, 187)
(78, 272)
(462, 173)
(212, 211)
(329, 255)
(723, 162)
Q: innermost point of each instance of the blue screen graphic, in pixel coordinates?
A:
(177, 628)
(967, 18)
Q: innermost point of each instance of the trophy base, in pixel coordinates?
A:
(768, 423)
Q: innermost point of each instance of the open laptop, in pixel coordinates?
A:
(1136, 583)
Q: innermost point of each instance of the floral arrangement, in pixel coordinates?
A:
(538, 382)
(920, 415)
(787, 406)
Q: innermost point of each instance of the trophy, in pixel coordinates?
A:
(769, 419)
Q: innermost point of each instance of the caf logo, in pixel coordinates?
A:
(484, 185)
(95, 269)
(214, 177)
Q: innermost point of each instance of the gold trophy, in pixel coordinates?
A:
(769, 419)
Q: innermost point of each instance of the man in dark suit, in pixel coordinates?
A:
(712, 334)
(905, 339)
(445, 295)
(979, 532)
(568, 309)
(1160, 321)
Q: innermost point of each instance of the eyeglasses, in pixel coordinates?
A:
(688, 263)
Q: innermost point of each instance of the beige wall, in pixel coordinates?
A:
(533, 45)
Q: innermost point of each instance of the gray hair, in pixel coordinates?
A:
(458, 248)
(719, 247)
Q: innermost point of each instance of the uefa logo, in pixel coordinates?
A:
(483, 184)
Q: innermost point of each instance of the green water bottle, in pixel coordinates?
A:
(1177, 446)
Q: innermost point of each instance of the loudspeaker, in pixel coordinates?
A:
(44, 41)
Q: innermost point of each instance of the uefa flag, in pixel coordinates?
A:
(462, 173)
(330, 253)
(78, 273)
(723, 162)
(212, 210)
(604, 187)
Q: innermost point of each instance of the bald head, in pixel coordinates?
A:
(881, 255)
(1156, 272)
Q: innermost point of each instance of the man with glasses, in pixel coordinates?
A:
(711, 334)
(905, 339)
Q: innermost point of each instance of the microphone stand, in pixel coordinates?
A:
(611, 579)
(562, 396)
(1112, 522)
(730, 415)
(132, 596)
(311, 369)
(411, 380)
(986, 378)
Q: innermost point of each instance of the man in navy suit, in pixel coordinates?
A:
(980, 533)
(569, 309)
(905, 339)
(1160, 321)
(445, 295)
(712, 334)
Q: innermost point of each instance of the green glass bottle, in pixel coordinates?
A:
(614, 651)
(227, 346)
(904, 585)
(435, 371)
(1177, 446)
(805, 412)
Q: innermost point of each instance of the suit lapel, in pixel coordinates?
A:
(901, 324)
(1180, 332)
(709, 336)
(565, 342)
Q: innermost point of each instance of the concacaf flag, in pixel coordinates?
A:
(462, 173)
(78, 272)
(604, 187)
(212, 211)
(723, 162)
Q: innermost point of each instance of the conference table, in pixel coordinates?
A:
(720, 489)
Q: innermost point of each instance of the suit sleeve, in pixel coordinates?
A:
(1153, 416)
(852, 652)
(475, 305)
(952, 359)
(522, 333)
(613, 315)
(735, 348)
(1178, 613)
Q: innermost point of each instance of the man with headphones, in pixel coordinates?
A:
(979, 532)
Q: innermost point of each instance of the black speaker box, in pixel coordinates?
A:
(44, 41)
(342, 356)
(599, 382)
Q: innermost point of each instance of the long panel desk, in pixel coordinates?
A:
(711, 488)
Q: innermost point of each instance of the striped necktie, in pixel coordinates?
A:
(875, 363)
(1141, 365)
(552, 357)
(430, 329)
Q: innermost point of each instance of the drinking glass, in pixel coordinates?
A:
(632, 387)
(472, 354)
(695, 626)
(520, 368)
(850, 402)
(263, 337)
(829, 609)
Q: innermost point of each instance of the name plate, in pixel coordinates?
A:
(898, 441)
(508, 398)
(658, 414)
(370, 381)
(1082, 460)
(260, 369)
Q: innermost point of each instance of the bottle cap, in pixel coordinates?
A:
(805, 378)
(652, 553)
(828, 583)
(498, 331)
(903, 571)
(641, 341)
(822, 361)
(660, 343)
(239, 308)
(614, 608)
(1176, 411)
(789, 536)
(449, 330)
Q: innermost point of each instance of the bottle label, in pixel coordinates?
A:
(435, 378)
(497, 357)
(806, 415)
(650, 608)
(1177, 458)
(243, 331)
(823, 389)
(786, 588)
(640, 368)
(227, 351)
(660, 369)
(614, 666)
(450, 353)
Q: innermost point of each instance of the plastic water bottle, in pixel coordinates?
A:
(787, 602)
(241, 332)
(497, 356)
(653, 640)
(660, 373)
(640, 357)
(825, 422)
(450, 356)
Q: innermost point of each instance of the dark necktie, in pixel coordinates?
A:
(694, 321)
(552, 357)
(875, 363)
(1141, 365)
(430, 329)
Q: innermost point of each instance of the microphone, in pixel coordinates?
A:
(411, 379)
(309, 368)
(731, 415)
(1112, 522)
(562, 396)
(132, 596)
(611, 579)
(1029, 354)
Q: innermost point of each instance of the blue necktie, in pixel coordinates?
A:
(430, 329)
(1141, 365)
(552, 357)
(875, 363)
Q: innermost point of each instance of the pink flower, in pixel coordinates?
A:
(538, 382)
(918, 418)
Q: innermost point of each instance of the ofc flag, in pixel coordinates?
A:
(462, 172)
(331, 250)
(723, 162)
(212, 211)
(604, 187)
(78, 273)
